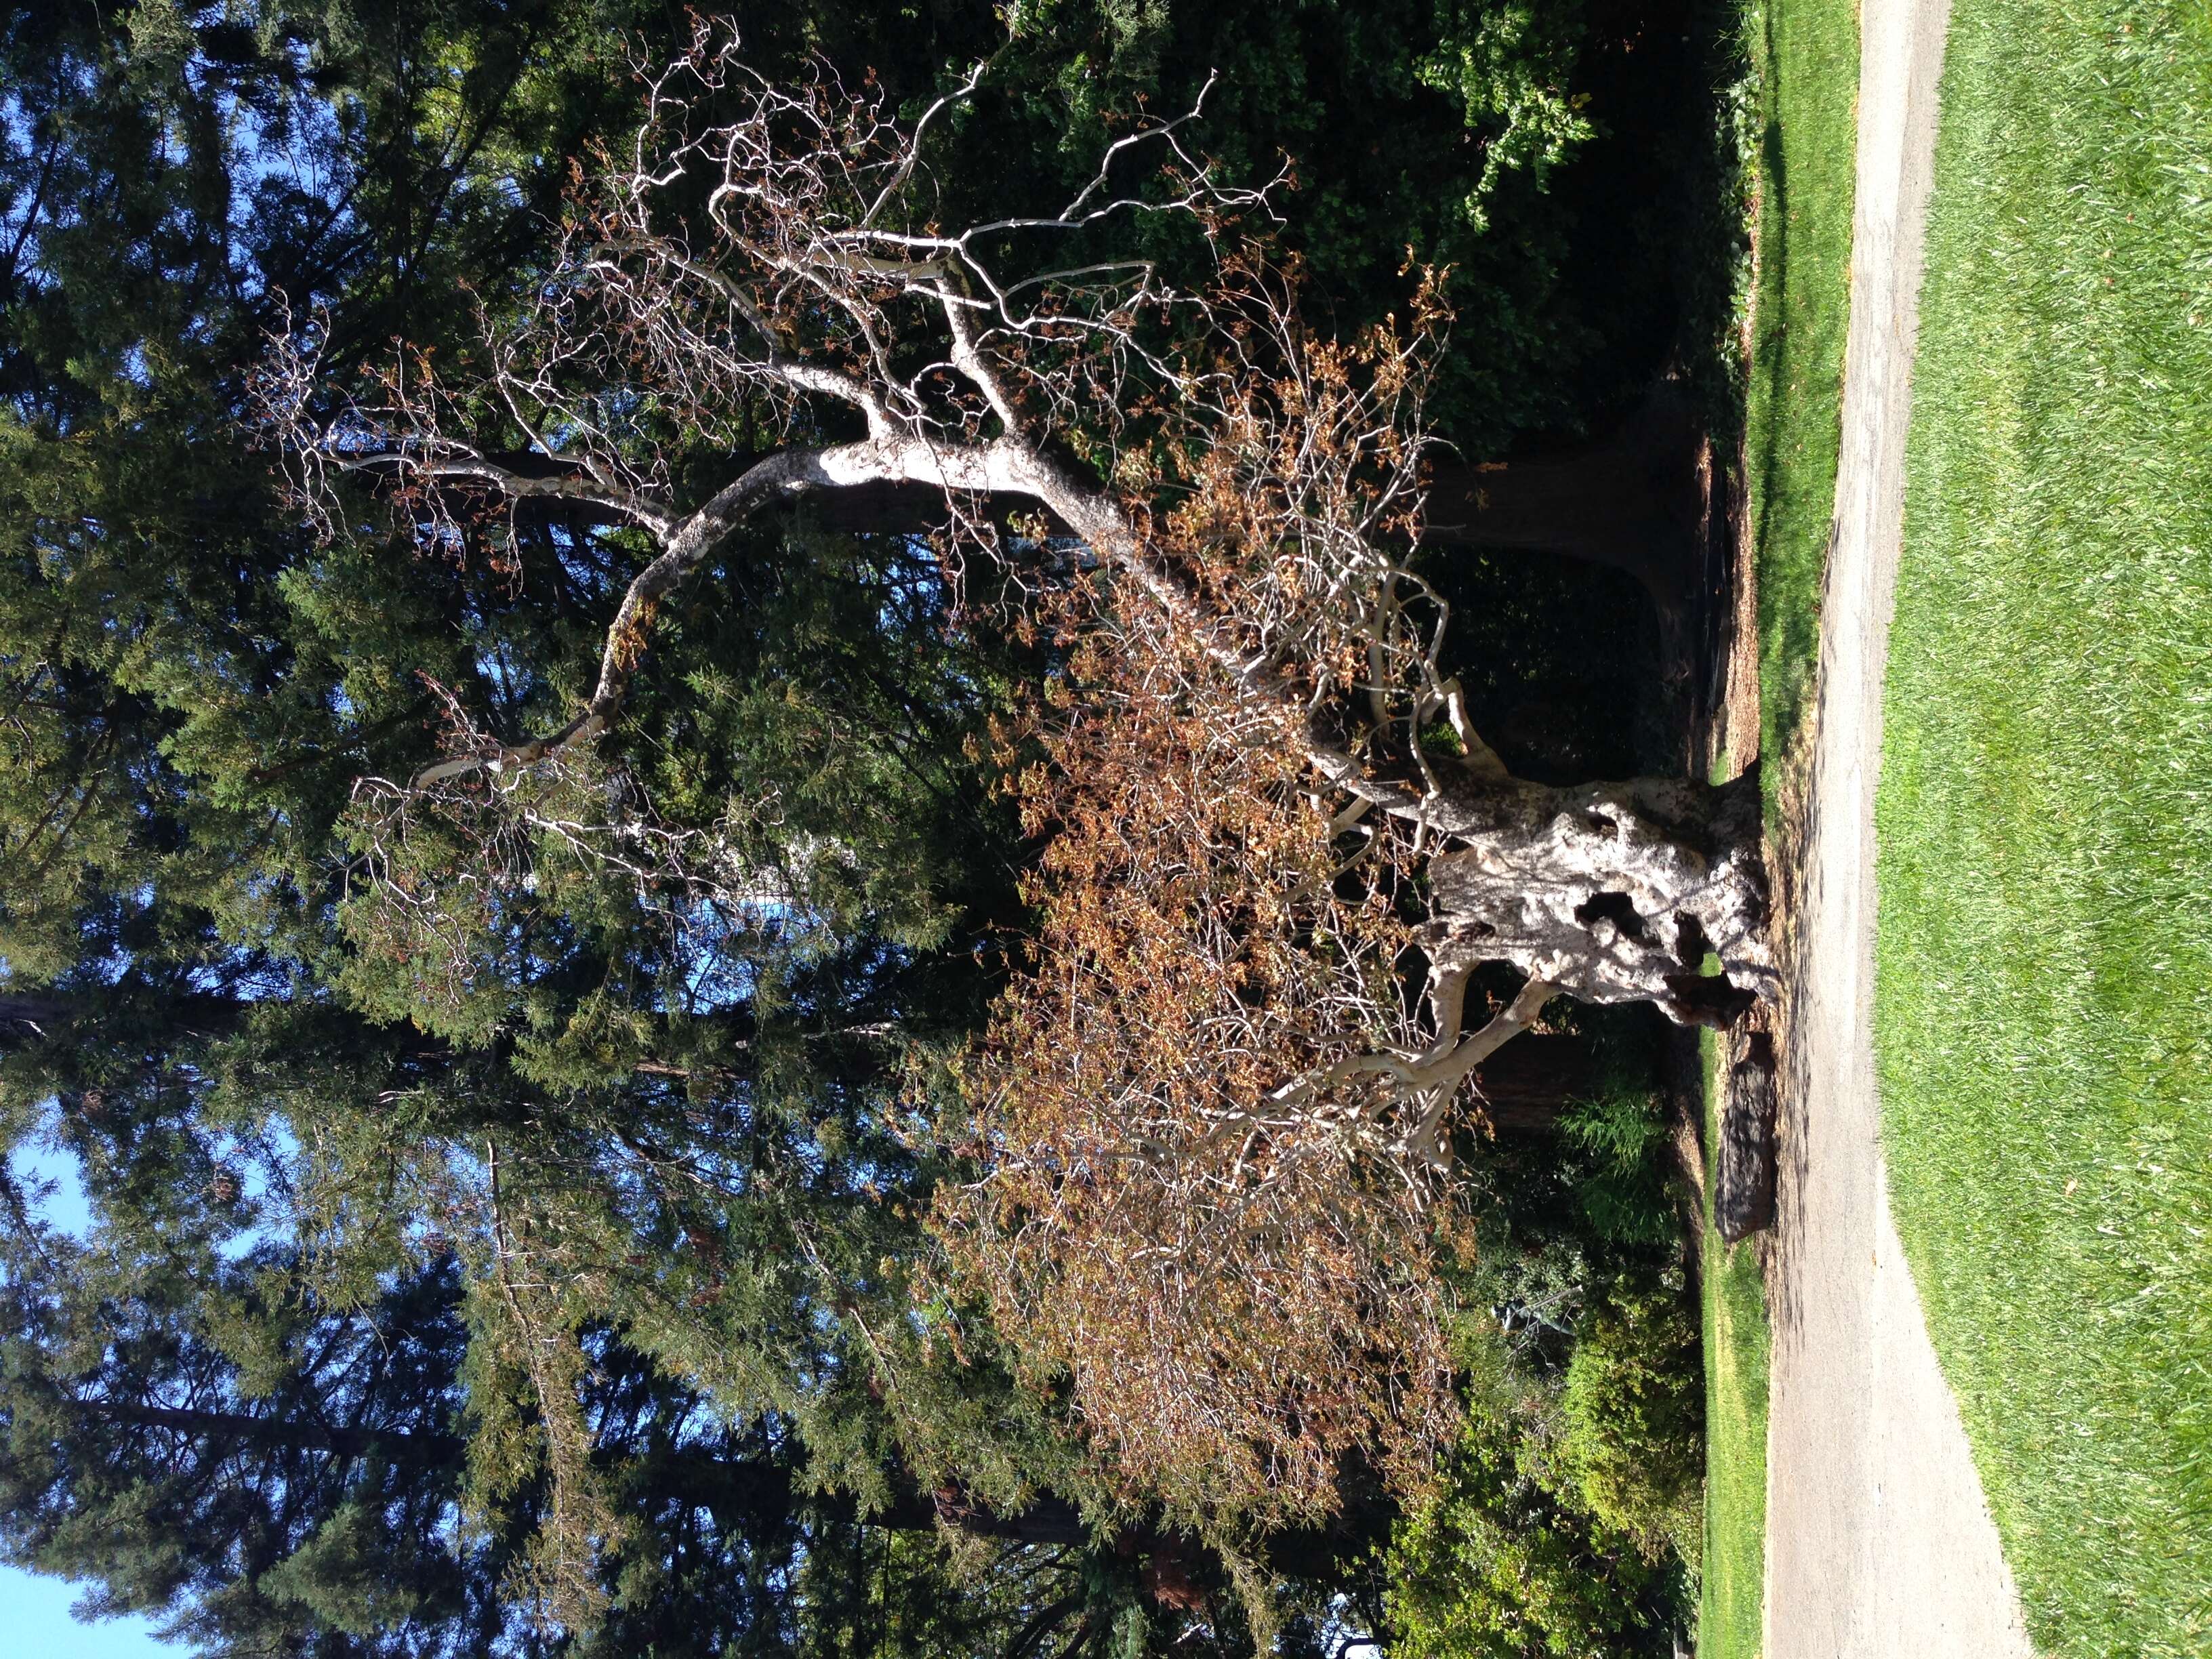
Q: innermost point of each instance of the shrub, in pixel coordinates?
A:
(1621, 1177)
(1502, 1561)
(1632, 1416)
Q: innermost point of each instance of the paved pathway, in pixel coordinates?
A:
(1878, 1543)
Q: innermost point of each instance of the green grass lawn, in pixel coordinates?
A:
(2044, 1016)
(1808, 56)
(1733, 1585)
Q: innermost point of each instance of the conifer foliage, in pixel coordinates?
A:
(732, 846)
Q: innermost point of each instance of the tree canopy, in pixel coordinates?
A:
(511, 1203)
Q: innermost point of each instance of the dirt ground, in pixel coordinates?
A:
(1879, 1540)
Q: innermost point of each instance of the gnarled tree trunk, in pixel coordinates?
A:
(1614, 892)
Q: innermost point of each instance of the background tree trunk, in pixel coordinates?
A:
(1630, 500)
(78, 1019)
(1524, 1087)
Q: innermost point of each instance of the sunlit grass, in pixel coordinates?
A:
(1732, 1589)
(1808, 54)
(1806, 57)
(2043, 1016)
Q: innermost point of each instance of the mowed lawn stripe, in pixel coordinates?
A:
(1807, 52)
(2043, 1007)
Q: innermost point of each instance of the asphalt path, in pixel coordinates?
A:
(1880, 1545)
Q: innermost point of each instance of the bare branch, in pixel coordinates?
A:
(1211, 1115)
(904, 170)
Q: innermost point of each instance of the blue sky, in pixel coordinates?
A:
(35, 1617)
(36, 1623)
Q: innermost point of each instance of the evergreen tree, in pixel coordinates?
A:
(437, 1240)
(207, 1442)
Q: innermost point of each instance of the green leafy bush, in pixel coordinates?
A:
(1621, 1181)
(1632, 1417)
(1504, 1561)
